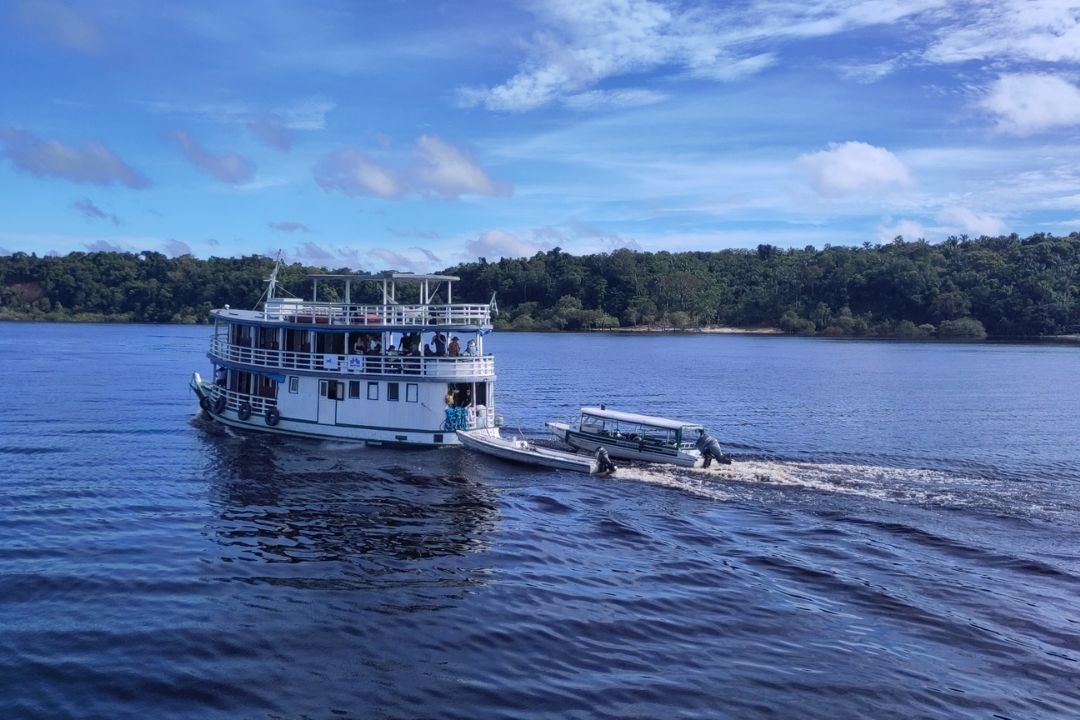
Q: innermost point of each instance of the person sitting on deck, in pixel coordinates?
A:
(454, 350)
(710, 449)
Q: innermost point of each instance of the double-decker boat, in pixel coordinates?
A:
(383, 373)
(632, 436)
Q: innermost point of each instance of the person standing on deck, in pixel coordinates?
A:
(710, 449)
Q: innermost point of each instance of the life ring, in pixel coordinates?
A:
(204, 403)
(273, 416)
(219, 404)
(244, 412)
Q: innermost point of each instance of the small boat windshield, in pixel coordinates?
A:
(638, 432)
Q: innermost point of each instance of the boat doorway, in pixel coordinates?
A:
(330, 393)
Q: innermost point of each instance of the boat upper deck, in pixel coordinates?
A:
(429, 310)
(343, 316)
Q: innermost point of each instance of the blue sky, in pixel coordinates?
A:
(415, 135)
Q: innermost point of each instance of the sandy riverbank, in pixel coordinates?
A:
(708, 329)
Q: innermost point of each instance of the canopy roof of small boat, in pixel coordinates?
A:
(634, 418)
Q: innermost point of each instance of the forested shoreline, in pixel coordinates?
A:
(1003, 286)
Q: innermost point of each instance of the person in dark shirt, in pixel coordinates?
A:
(439, 344)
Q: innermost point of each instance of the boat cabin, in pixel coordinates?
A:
(631, 427)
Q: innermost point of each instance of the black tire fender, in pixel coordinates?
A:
(244, 411)
(273, 416)
(219, 404)
(204, 403)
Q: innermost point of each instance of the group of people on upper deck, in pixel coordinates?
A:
(370, 344)
(440, 348)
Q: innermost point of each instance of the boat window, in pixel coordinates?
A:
(322, 388)
(411, 392)
(591, 424)
(373, 391)
(354, 389)
(266, 387)
(332, 343)
(267, 338)
(392, 391)
(294, 384)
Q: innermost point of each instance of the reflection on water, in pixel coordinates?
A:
(364, 515)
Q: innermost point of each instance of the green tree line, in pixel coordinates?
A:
(1002, 286)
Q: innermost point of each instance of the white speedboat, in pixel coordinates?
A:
(365, 365)
(490, 442)
(632, 436)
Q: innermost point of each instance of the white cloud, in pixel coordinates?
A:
(854, 167)
(62, 24)
(272, 130)
(607, 99)
(91, 211)
(228, 167)
(314, 254)
(494, 244)
(867, 73)
(289, 226)
(1030, 102)
(400, 261)
(1021, 30)
(90, 163)
(440, 169)
(970, 222)
(353, 173)
(105, 246)
(449, 172)
(908, 229)
(585, 42)
(176, 248)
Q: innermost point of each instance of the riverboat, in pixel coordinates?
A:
(631, 436)
(396, 371)
(490, 442)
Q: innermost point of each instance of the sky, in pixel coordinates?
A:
(414, 135)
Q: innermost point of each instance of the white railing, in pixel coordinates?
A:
(302, 311)
(285, 360)
(259, 404)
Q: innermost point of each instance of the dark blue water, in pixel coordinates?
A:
(900, 537)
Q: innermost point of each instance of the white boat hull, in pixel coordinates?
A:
(306, 427)
(623, 448)
(489, 442)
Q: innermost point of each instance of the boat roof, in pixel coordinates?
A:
(390, 275)
(652, 420)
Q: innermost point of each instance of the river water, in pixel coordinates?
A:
(898, 537)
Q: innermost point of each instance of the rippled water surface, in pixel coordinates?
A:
(899, 537)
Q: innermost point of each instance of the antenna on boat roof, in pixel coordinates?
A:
(273, 278)
(271, 286)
